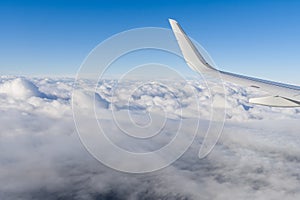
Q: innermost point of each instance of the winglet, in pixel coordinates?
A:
(190, 53)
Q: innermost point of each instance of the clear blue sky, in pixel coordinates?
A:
(255, 37)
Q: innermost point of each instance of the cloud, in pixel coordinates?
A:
(41, 156)
(20, 88)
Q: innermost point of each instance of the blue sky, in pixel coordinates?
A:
(52, 37)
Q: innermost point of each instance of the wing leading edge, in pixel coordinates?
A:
(282, 95)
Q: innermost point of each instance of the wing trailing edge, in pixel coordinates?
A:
(274, 101)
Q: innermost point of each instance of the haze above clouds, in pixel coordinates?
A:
(41, 156)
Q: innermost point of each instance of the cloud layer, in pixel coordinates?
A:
(41, 156)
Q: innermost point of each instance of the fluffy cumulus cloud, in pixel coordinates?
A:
(41, 156)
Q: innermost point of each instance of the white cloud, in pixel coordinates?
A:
(20, 88)
(41, 156)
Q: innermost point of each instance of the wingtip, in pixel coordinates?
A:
(172, 21)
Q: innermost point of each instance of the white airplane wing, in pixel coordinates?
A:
(281, 95)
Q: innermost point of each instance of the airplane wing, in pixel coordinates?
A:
(281, 95)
